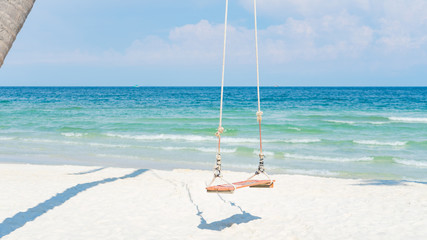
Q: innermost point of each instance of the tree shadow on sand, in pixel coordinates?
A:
(20, 219)
(220, 225)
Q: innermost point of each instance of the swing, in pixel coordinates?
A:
(231, 187)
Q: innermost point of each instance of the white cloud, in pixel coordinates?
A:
(188, 44)
(398, 25)
(191, 44)
(403, 25)
(329, 37)
(305, 8)
(316, 31)
(201, 43)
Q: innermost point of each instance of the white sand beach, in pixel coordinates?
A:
(75, 202)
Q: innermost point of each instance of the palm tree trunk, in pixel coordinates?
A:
(12, 17)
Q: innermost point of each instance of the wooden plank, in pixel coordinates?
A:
(248, 183)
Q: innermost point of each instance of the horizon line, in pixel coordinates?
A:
(182, 86)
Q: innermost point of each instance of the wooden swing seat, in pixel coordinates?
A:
(228, 188)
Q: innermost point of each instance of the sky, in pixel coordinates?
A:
(179, 43)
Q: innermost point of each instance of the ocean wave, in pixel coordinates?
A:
(246, 140)
(240, 140)
(340, 122)
(416, 143)
(109, 145)
(384, 159)
(201, 149)
(295, 128)
(301, 140)
(312, 172)
(93, 144)
(266, 153)
(256, 140)
(72, 134)
(408, 119)
(374, 142)
(40, 140)
(116, 156)
(411, 163)
(353, 122)
(192, 138)
(328, 159)
(196, 138)
(6, 138)
(377, 123)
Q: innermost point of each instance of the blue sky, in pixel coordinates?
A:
(179, 43)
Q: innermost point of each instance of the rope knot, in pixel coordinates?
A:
(259, 116)
(220, 130)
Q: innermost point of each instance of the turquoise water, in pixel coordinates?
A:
(339, 132)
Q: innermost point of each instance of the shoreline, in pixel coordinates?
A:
(170, 166)
(82, 202)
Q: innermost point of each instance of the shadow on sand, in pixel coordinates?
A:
(243, 217)
(378, 182)
(20, 219)
(220, 225)
(87, 172)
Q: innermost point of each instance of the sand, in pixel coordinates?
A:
(76, 202)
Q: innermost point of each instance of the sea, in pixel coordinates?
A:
(343, 132)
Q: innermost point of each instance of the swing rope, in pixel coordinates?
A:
(220, 130)
(259, 113)
(261, 168)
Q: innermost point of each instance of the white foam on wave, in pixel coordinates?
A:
(201, 149)
(192, 138)
(408, 119)
(196, 138)
(93, 144)
(341, 122)
(116, 156)
(328, 159)
(109, 145)
(377, 123)
(302, 140)
(5, 138)
(240, 140)
(413, 163)
(256, 140)
(374, 142)
(312, 172)
(295, 128)
(72, 134)
(40, 140)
